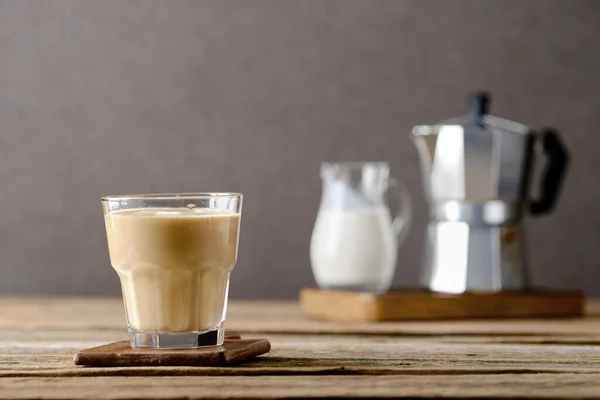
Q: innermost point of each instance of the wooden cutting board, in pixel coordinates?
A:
(121, 354)
(344, 306)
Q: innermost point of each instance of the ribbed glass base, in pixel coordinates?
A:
(176, 340)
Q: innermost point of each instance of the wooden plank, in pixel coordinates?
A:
(306, 354)
(61, 313)
(68, 313)
(61, 341)
(573, 327)
(346, 306)
(270, 317)
(592, 308)
(339, 346)
(273, 366)
(276, 387)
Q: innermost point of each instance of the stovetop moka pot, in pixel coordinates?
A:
(476, 174)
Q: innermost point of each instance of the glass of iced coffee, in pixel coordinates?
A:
(174, 254)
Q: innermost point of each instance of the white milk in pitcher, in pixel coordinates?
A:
(354, 248)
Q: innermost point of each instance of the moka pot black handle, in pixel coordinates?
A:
(554, 174)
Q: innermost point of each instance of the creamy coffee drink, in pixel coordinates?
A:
(174, 265)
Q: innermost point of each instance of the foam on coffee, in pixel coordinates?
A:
(174, 265)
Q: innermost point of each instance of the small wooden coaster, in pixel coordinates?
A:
(121, 354)
(344, 306)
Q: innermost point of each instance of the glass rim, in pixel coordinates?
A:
(174, 196)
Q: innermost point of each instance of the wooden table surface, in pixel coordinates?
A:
(557, 358)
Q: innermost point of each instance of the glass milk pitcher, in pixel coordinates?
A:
(355, 239)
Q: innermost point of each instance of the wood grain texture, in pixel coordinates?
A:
(274, 317)
(554, 358)
(280, 387)
(121, 354)
(345, 306)
(330, 354)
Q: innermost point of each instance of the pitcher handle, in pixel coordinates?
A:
(402, 219)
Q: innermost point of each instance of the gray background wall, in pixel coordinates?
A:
(114, 97)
